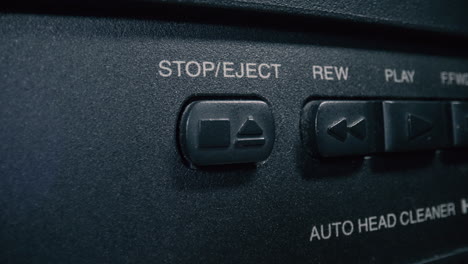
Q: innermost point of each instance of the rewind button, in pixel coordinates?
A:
(342, 128)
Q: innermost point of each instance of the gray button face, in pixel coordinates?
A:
(414, 125)
(342, 128)
(460, 123)
(216, 132)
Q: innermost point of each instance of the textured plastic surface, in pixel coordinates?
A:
(437, 15)
(432, 15)
(90, 171)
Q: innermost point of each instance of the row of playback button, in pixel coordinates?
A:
(214, 132)
(345, 128)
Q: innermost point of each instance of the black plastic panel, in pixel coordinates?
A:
(90, 171)
(430, 15)
(422, 14)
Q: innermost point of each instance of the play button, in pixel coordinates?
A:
(413, 125)
(418, 126)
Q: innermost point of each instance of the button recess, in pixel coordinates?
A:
(216, 132)
(411, 125)
(342, 128)
(460, 123)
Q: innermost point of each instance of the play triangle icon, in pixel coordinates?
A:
(418, 126)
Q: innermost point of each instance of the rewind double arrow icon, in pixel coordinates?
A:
(340, 129)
